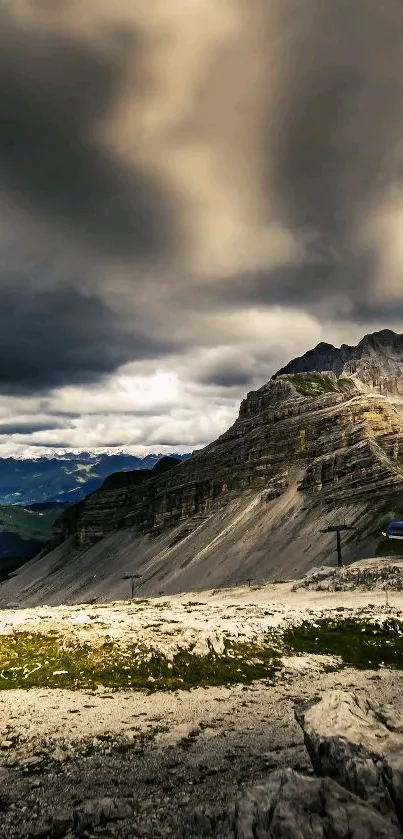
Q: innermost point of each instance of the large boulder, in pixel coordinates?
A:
(291, 806)
(358, 746)
(357, 755)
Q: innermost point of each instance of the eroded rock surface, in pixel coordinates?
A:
(385, 574)
(291, 806)
(359, 746)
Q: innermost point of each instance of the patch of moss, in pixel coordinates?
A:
(315, 384)
(33, 660)
(29, 660)
(359, 643)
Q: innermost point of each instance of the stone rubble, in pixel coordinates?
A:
(180, 789)
(385, 574)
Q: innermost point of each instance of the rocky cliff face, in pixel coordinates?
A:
(334, 428)
(376, 363)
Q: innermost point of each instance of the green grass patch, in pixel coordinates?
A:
(29, 660)
(33, 660)
(28, 524)
(316, 384)
(359, 643)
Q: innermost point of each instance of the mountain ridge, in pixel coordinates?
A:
(376, 362)
(64, 479)
(307, 447)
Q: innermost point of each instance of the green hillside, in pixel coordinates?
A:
(27, 524)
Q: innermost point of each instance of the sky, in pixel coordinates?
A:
(192, 193)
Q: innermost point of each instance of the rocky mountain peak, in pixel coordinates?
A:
(375, 363)
(383, 336)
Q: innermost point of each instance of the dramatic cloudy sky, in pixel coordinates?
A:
(191, 193)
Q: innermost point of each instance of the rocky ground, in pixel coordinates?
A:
(125, 763)
(364, 575)
(205, 618)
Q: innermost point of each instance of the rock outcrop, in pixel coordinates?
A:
(358, 746)
(367, 575)
(136, 477)
(357, 756)
(376, 362)
(291, 806)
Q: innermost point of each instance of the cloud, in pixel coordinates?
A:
(62, 336)
(26, 428)
(196, 190)
(55, 89)
(181, 401)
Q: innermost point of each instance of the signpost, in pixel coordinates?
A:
(337, 528)
(132, 577)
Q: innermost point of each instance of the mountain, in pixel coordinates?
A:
(375, 363)
(24, 532)
(310, 448)
(118, 480)
(65, 479)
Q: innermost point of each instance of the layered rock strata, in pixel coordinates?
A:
(347, 445)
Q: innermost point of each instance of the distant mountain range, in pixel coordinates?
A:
(64, 479)
(33, 493)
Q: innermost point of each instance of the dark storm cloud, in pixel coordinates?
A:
(226, 377)
(62, 337)
(53, 92)
(326, 151)
(339, 132)
(318, 119)
(336, 148)
(287, 118)
(330, 291)
(26, 427)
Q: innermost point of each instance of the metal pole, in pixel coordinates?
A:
(337, 528)
(339, 559)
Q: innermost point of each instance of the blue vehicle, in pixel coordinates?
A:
(394, 530)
